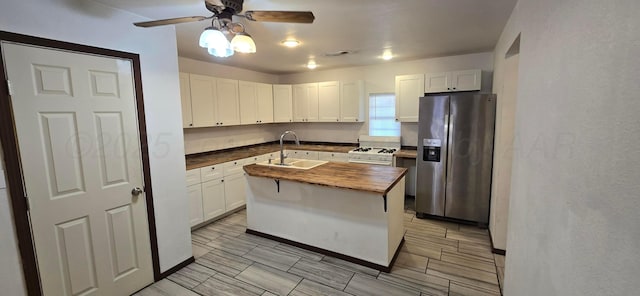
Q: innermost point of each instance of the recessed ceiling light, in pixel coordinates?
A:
(312, 65)
(290, 43)
(387, 55)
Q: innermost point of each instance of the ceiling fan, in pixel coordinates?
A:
(214, 37)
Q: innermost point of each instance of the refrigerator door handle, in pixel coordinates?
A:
(450, 149)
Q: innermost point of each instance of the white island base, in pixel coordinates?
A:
(358, 226)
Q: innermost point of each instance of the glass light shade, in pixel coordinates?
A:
(243, 42)
(221, 52)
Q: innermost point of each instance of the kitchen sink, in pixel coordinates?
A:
(291, 163)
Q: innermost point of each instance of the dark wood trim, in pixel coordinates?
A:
(493, 249)
(11, 155)
(13, 172)
(180, 265)
(375, 266)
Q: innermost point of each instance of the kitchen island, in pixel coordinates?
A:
(346, 210)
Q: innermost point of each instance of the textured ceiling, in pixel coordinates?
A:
(412, 29)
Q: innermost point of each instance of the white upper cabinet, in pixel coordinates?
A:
(437, 82)
(282, 103)
(352, 99)
(248, 102)
(329, 101)
(467, 80)
(305, 102)
(185, 98)
(264, 96)
(256, 102)
(409, 88)
(214, 101)
(228, 102)
(203, 100)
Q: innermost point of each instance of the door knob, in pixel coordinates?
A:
(136, 191)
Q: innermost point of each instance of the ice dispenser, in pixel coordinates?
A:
(431, 150)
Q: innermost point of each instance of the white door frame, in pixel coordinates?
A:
(13, 169)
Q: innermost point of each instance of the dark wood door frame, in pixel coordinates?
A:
(13, 168)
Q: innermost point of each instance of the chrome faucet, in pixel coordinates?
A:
(282, 156)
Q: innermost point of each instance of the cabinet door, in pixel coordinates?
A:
(264, 96)
(282, 103)
(203, 100)
(329, 101)
(185, 98)
(194, 193)
(409, 88)
(248, 101)
(228, 102)
(211, 172)
(312, 102)
(437, 82)
(234, 191)
(300, 103)
(352, 101)
(193, 177)
(213, 202)
(466, 80)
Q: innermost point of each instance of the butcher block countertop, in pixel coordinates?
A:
(406, 153)
(216, 157)
(355, 176)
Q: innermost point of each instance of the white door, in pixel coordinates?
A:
(466, 80)
(300, 103)
(312, 101)
(75, 117)
(234, 191)
(213, 204)
(194, 194)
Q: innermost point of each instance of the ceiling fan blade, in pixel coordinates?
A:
(305, 17)
(171, 21)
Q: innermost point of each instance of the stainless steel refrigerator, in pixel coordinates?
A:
(455, 156)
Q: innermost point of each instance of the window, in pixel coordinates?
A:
(382, 112)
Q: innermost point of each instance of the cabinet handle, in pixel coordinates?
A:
(454, 88)
(221, 181)
(356, 119)
(213, 168)
(448, 88)
(190, 124)
(336, 119)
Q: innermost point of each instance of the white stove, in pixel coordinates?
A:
(375, 150)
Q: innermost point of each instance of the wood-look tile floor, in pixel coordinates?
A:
(438, 258)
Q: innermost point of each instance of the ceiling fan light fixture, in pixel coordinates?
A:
(291, 43)
(243, 43)
(220, 52)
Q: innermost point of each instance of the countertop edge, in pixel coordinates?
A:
(291, 177)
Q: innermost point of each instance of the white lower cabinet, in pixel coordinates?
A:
(333, 156)
(234, 191)
(213, 199)
(217, 189)
(302, 154)
(194, 193)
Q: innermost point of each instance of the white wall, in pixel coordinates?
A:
(573, 215)
(503, 149)
(381, 79)
(87, 22)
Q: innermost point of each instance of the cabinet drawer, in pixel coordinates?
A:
(193, 177)
(233, 167)
(211, 172)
